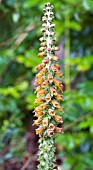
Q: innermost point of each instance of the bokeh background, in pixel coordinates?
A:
(20, 23)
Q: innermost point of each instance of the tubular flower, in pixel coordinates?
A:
(58, 130)
(48, 92)
(50, 78)
(39, 130)
(53, 91)
(38, 114)
(45, 121)
(51, 112)
(48, 98)
(38, 100)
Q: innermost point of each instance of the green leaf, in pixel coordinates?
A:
(88, 4)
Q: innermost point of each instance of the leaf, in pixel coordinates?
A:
(88, 4)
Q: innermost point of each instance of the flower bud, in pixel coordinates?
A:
(48, 4)
(56, 48)
(41, 54)
(48, 49)
(52, 33)
(52, 26)
(56, 58)
(46, 60)
(41, 49)
(44, 25)
(43, 44)
(44, 10)
(43, 30)
(39, 66)
(42, 39)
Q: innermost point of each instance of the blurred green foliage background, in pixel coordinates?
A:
(20, 23)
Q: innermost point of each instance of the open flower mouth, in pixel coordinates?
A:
(51, 112)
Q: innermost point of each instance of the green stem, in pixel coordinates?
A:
(67, 53)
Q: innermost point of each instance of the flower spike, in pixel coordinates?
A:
(49, 89)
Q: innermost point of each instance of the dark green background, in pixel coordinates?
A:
(20, 23)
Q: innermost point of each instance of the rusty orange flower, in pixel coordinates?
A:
(45, 121)
(58, 66)
(51, 126)
(53, 91)
(39, 80)
(43, 105)
(59, 74)
(41, 93)
(39, 66)
(50, 132)
(39, 130)
(38, 75)
(38, 109)
(58, 97)
(44, 84)
(38, 100)
(50, 78)
(55, 103)
(60, 88)
(38, 89)
(57, 82)
(53, 68)
(43, 71)
(37, 122)
(58, 119)
(51, 112)
(39, 114)
(60, 108)
(58, 130)
(48, 98)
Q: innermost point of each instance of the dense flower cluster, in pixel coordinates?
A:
(49, 86)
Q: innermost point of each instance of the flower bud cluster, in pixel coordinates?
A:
(49, 86)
